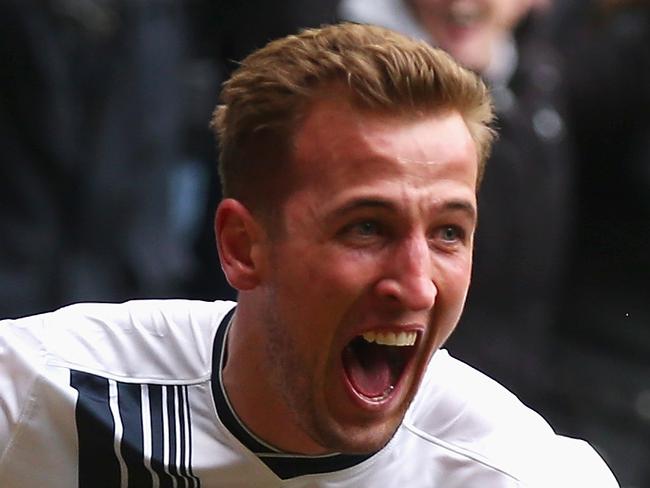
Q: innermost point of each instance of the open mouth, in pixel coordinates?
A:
(375, 361)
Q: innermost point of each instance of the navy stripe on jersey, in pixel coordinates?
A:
(98, 465)
(170, 430)
(157, 437)
(283, 465)
(132, 435)
(131, 445)
(187, 418)
(178, 437)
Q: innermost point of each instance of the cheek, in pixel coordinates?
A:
(452, 287)
(508, 13)
(455, 271)
(320, 288)
(341, 276)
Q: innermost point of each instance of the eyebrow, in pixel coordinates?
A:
(461, 205)
(361, 203)
(455, 205)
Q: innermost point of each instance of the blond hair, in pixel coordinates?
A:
(264, 100)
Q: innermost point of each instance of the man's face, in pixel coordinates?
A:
(469, 29)
(370, 274)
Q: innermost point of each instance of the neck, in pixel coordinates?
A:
(248, 379)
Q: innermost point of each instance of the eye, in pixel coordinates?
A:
(362, 232)
(451, 234)
(366, 228)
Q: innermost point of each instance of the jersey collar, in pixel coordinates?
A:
(284, 465)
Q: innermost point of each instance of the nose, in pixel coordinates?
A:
(408, 278)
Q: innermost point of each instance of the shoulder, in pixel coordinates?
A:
(146, 339)
(467, 412)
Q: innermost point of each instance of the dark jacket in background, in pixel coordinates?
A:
(90, 133)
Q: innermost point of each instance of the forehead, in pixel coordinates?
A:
(339, 144)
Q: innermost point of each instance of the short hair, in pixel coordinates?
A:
(266, 97)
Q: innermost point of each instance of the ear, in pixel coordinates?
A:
(239, 237)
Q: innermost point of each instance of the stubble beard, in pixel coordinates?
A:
(292, 379)
(291, 376)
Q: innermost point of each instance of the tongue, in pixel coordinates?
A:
(368, 368)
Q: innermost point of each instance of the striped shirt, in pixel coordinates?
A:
(130, 395)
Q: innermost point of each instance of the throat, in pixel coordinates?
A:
(373, 369)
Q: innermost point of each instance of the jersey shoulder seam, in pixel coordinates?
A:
(140, 380)
(30, 401)
(468, 453)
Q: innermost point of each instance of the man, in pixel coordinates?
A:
(350, 158)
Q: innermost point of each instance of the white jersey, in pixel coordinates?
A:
(130, 395)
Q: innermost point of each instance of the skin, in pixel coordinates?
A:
(378, 234)
(472, 42)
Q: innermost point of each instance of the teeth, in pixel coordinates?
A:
(391, 338)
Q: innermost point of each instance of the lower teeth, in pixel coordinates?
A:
(384, 395)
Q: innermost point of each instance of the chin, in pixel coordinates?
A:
(357, 439)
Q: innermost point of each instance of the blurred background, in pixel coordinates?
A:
(108, 177)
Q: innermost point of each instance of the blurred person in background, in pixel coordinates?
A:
(524, 230)
(604, 329)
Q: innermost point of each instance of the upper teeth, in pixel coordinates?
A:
(391, 338)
